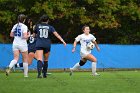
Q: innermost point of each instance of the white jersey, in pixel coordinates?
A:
(84, 40)
(18, 30)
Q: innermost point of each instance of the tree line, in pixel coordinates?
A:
(111, 21)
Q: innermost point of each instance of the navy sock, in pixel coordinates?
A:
(16, 65)
(45, 68)
(39, 67)
(20, 64)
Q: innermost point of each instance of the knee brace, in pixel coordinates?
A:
(81, 63)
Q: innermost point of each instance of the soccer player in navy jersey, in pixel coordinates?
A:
(43, 33)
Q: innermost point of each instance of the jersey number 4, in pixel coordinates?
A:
(43, 33)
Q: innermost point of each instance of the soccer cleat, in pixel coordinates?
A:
(96, 74)
(44, 75)
(39, 76)
(71, 72)
(26, 76)
(14, 68)
(8, 71)
(49, 73)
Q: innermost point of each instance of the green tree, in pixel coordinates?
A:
(112, 21)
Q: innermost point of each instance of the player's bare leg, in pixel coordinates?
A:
(45, 65)
(39, 54)
(13, 62)
(77, 65)
(31, 56)
(94, 61)
(25, 63)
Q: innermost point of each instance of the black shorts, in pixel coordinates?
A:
(45, 50)
(31, 49)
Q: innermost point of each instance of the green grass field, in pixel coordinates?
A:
(80, 82)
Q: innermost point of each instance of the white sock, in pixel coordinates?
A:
(93, 68)
(18, 65)
(25, 66)
(12, 63)
(76, 66)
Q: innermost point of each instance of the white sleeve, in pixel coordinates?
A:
(25, 29)
(93, 38)
(78, 38)
(13, 29)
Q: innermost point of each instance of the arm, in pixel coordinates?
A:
(12, 31)
(34, 34)
(12, 34)
(29, 33)
(77, 39)
(25, 35)
(25, 32)
(74, 46)
(59, 37)
(96, 45)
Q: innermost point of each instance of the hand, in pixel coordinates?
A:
(28, 34)
(98, 48)
(73, 50)
(64, 44)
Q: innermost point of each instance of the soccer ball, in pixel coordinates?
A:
(90, 45)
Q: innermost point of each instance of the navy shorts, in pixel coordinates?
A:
(45, 50)
(31, 49)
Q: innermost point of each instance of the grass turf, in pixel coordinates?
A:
(80, 82)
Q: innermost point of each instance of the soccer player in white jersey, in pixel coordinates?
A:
(85, 53)
(20, 34)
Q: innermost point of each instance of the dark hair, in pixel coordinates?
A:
(21, 18)
(29, 23)
(44, 18)
(83, 28)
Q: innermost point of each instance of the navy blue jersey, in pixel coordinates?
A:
(32, 44)
(43, 32)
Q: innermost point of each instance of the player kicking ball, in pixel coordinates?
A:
(87, 41)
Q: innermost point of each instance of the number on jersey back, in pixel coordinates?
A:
(17, 31)
(43, 33)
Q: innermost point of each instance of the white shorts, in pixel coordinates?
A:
(84, 54)
(20, 48)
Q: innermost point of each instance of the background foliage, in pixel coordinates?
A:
(111, 21)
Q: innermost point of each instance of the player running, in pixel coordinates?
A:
(43, 44)
(20, 34)
(31, 51)
(85, 52)
(31, 43)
